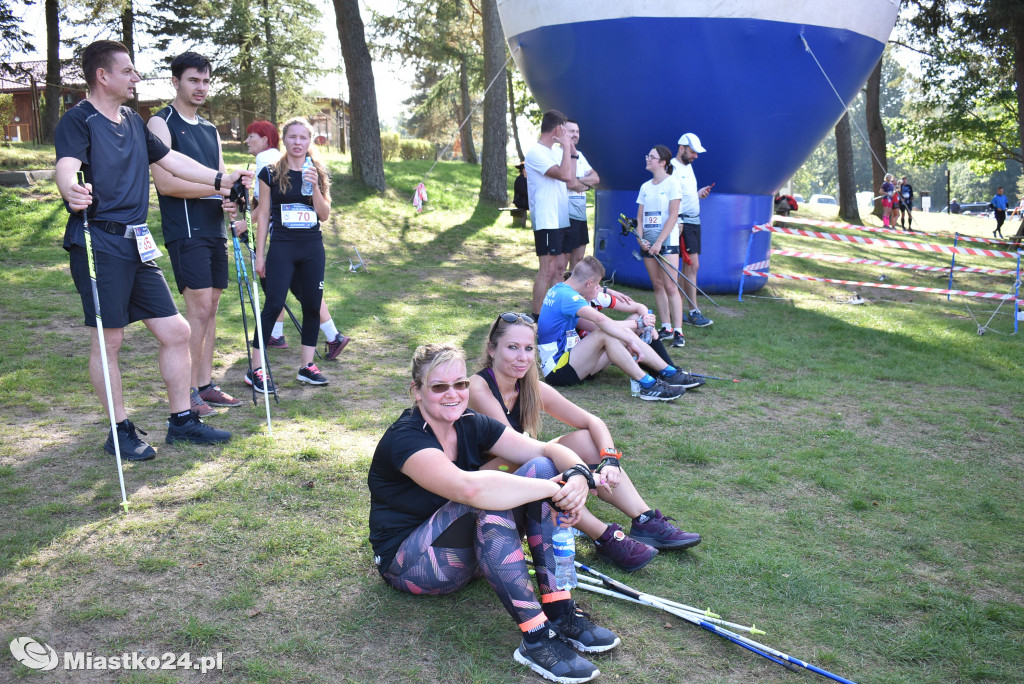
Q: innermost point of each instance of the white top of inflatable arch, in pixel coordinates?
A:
(872, 18)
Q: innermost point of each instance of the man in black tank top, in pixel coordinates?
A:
(192, 215)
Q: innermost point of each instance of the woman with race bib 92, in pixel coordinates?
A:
(657, 208)
(292, 221)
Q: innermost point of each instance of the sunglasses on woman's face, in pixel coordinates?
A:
(512, 317)
(442, 387)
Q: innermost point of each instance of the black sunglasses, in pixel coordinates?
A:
(512, 317)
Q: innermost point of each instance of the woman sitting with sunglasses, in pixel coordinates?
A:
(510, 392)
(437, 521)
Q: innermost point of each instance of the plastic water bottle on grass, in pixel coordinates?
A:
(564, 542)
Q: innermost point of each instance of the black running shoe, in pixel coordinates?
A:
(576, 628)
(255, 379)
(311, 375)
(133, 447)
(678, 340)
(195, 431)
(661, 391)
(552, 659)
(684, 380)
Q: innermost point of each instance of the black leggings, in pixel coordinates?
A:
(305, 262)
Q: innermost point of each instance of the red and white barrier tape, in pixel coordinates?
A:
(886, 286)
(891, 231)
(874, 262)
(898, 244)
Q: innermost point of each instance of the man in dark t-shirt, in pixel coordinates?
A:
(111, 147)
(192, 216)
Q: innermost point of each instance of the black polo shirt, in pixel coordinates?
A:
(397, 504)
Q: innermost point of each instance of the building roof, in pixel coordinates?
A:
(71, 76)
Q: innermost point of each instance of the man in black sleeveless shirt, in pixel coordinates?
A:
(193, 221)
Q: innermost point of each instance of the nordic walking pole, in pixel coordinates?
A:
(591, 584)
(240, 275)
(103, 347)
(295, 321)
(629, 226)
(241, 195)
(712, 377)
(765, 651)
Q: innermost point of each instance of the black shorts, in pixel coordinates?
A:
(578, 235)
(199, 263)
(564, 375)
(690, 238)
(129, 290)
(550, 242)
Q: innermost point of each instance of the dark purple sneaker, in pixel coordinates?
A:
(335, 346)
(660, 533)
(630, 555)
(277, 342)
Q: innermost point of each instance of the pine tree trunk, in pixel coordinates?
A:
(876, 132)
(51, 112)
(128, 38)
(513, 114)
(271, 62)
(493, 171)
(844, 161)
(465, 107)
(364, 135)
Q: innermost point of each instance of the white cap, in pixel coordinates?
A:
(692, 141)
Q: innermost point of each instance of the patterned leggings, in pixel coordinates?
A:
(459, 543)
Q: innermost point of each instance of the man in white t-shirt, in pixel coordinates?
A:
(689, 223)
(548, 169)
(586, 177)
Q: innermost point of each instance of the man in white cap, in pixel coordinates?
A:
(689, 223)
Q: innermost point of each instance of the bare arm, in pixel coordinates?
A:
(262, 217)
(167, 183)
(557, 406)
(77, 196)
(189, 169)
(613, 329)
(487, 489)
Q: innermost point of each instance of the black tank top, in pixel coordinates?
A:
(511, 415)
(200, 217)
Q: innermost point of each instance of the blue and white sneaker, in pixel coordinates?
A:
(698, 319)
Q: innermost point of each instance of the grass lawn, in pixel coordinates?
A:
(859, 490)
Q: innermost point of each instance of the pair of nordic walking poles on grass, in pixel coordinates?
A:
(597, 582)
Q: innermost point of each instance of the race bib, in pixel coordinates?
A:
(652, 220)
(144, 242)
(298, 216)
(572, 338)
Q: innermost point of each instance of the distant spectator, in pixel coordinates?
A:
(520, 195)
(998, 205)
(905, 192)
(888, 193)
(954, 207)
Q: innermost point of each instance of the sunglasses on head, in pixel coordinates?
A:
(512, 317)
(442, 387)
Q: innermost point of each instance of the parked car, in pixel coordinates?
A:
(822, 199)
(799, 199)
(980, 209)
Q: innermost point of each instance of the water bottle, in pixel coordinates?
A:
(648, 333)
(634, 387)
(565, 555)
(307, 186)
